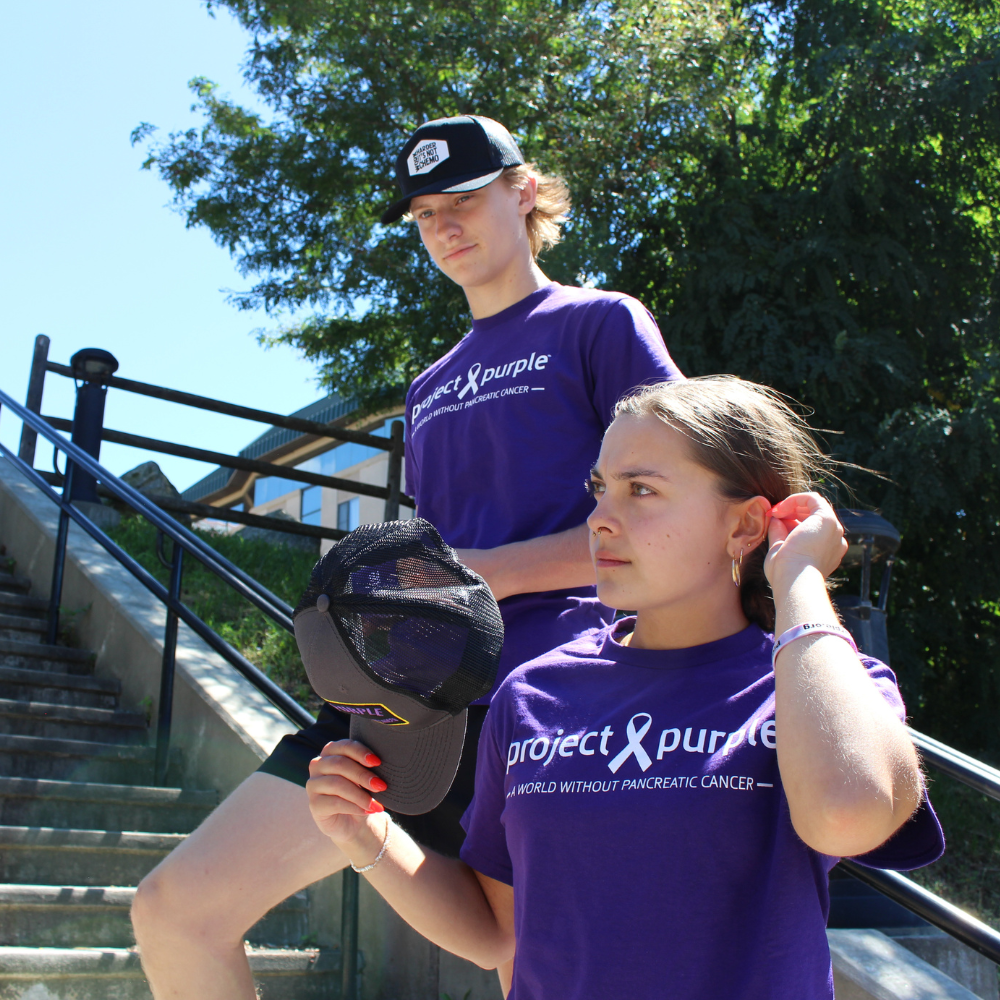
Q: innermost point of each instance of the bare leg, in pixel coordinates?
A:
(192, 912)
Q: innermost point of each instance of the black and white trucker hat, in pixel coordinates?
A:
(452, 154)
(396, 632)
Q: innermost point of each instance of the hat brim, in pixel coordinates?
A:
(418, 766)
(445, 185)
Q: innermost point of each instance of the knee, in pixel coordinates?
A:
(152, 912)
(166, 905)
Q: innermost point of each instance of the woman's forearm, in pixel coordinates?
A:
(849, 770)
(440, 898)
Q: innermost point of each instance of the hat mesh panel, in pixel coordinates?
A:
(414, 616)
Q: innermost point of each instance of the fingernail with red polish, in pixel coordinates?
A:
(371, 760)
(375, 807)
(377, 785)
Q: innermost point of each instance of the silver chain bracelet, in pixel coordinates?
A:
(378, 857)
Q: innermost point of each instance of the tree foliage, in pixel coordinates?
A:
(805, 193)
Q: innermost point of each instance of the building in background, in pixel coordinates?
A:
(310, 504)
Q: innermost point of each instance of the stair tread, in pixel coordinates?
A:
(25, 601)
(106, 792)
(51, 678)
(43, 651)
(107, 896)
(15, 581)
(105, 840)
(110, 961)
(22, 622)
(72, 713)
(75, 748)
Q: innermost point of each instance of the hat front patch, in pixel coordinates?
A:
(376, 712)
(427, 155)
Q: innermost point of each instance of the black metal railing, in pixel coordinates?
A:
(391, 493)
(184, 542)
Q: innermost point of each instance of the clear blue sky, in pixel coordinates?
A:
(93, 255)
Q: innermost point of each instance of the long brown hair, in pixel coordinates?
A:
(754, 443)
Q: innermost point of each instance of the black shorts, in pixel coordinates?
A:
(438, 829)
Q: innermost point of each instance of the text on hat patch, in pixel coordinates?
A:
(427, 156)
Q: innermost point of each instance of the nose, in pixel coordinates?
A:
(600, 522)
(446, 226)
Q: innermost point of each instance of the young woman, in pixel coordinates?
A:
(527, 393)
(657, 804)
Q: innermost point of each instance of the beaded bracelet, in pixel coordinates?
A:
(378, 857)
(810, 628)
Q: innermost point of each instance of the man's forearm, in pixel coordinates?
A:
(551, 562)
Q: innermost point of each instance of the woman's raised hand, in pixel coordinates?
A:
(339, 789)
(804, 531)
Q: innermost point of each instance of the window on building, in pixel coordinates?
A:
(312, 504)
(348, 514)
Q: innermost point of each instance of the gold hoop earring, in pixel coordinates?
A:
(738, 570)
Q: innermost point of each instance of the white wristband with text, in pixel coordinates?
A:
(809, 628)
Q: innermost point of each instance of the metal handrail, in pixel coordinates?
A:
(246, 585)
(955, 764)
(238, 462)
(230, 409)
(935, 910)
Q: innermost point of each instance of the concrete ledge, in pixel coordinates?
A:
(868, 965)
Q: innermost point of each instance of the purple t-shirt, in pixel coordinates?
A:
(502, 431)
(632, 799)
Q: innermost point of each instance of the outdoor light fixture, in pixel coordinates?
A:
(88, 366)
(871, 539)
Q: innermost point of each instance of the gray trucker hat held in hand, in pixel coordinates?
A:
(396, 632)
(449, 155)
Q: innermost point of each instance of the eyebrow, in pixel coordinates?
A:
(630, 474)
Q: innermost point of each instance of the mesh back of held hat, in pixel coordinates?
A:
(394, 630)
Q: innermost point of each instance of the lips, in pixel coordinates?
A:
(605, 560)
(458, 253)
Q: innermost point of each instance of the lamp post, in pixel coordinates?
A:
(88, 417)
(871, 538)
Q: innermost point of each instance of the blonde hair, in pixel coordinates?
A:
(754, 443)
(552, 205)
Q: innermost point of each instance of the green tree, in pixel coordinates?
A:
(804, 193)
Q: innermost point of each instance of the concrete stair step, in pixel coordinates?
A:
(14, 583)
(42, 656)
(59, 916)
(21, 628)
(115, 974)
(54, 688)
(94, 805)
(39, 855)
(75, 760)
(23, 604)
(53, 721)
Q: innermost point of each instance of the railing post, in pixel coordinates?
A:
(166, 706)
(394, 479)
(59, 562)
(88, 416)
(349, 935)
(33, 401)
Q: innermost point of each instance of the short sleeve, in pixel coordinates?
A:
(485, 847)
(920, 840)
(412, 470)
(627, 352)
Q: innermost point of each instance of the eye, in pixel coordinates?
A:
(594, 487)
(639, 490)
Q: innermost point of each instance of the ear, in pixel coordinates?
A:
(750, 523)
(528, 194)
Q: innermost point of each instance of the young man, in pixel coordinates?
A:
(524, 397)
